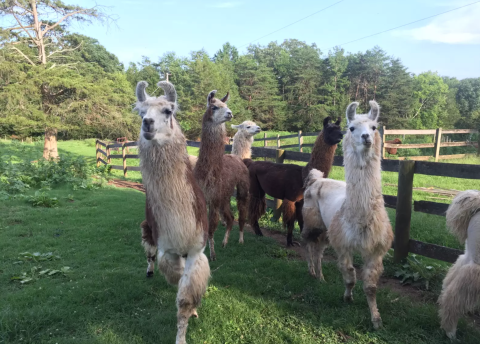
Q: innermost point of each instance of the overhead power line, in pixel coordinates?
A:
(413, 22)
(310, 15)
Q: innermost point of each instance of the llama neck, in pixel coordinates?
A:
(163, 165)
(472, 245)
(242, 144)
(321, 157)
(212, 148)
(363, 177)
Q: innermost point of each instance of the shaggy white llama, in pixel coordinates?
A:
(461, 287)
(175, 207)
(351, 216)
(243, 139)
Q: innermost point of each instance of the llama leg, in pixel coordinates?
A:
(450, 310)
(227, 215)
(172, 266)
(242, 205)
(257, 207)
(372, 270)
(191, 288)
(149, 247)
(319, 249)
(345, 263)
(288, 210)
(298, 214)
(213, 218)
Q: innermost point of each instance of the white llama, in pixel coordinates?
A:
(176, 212)
(461, 287)
(243, 139)
(351, 216)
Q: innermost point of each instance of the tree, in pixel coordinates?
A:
(468, 100)
(259, 88)
(451, 108)
(37, 36)
(430, 93)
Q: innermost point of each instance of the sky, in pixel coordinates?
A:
(448, 44)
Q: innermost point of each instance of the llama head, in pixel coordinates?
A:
(158, 113)
(361, 128)
(332, 132)
(217, 109)
(248, 127)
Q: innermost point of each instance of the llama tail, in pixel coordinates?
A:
(464, 206)
(312, 177)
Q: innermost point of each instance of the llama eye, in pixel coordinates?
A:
(248, 127)
(374, 128)
(168, 112)
(352, 129)
(214, 108)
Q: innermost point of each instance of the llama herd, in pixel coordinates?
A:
(186, 197)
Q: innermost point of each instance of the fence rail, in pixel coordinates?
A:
(402, 202)
(436, 132)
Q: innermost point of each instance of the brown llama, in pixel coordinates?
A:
(285, 181)
(393, 151)
(218, 174)
(175, 206)
(351, 216)
(461, 287)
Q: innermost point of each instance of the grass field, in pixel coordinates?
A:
(259, 292)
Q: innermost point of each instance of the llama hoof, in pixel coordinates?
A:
(240, 241)
(349, 298)
(259, 233)
(194, 313)
(322, 279)
(149, 273)
(377, 323)
(224, 244)
(452, 335)
(213, 257)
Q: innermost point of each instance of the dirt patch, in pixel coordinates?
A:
(126, 184)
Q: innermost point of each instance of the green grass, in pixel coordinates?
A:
(258, 293)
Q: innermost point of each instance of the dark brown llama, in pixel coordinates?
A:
(175, 205)
(285, 181)
(218, 174)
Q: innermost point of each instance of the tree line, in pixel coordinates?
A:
(52, 80)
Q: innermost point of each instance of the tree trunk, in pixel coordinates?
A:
(50, 146)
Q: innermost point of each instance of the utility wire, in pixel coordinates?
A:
(413, 22)
(310, 15)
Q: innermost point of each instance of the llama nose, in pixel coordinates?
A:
(147, 122)
(228, 114)
(366, 138)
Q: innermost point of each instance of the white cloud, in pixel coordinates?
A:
(459, 27)
(225, 5)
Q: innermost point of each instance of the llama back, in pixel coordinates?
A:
(464, 206)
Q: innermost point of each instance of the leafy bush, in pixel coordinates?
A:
(417, 273)
(41, 199)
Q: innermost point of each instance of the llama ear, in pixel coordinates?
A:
(374, 110)
(169, 90)
(226, 98)
(211, 96)
(235, 126)
(352, 111)
(140, 91)
(339, 120)
(326, 121)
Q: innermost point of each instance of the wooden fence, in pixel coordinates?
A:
(439, 141)
(406, 169)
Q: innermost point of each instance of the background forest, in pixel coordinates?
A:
(289, 86)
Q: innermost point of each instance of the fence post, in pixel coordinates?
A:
(97, 153)
(404, 209)
(265, 143)
(382, 133)
(438, 143)
(278, 142)
(277, 211)
(300, 141)
(108, 154)
(124, 161)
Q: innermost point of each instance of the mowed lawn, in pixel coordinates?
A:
(259, 292)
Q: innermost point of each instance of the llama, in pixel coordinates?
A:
(285, 181)
(218, 174)
(243, 139)
(393, 151)
(175, 205)
(461, 287)
(351, 216)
